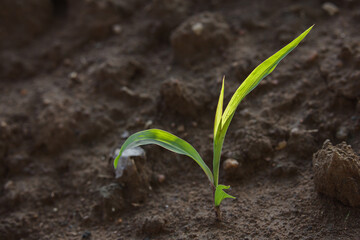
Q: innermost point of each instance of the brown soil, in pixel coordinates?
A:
(76, 75)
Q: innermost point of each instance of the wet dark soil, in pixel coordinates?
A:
(76, 77)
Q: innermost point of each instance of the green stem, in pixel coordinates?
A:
(216, 208)
(218, 145)
(216, 164)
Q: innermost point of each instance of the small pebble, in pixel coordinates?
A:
(117, 29)
(294, 130)
(161, 178)
(67, 62)
(119, 220)
(281, 145)
(23, 92)
(197, 28)
(181, 128)
(330, 8)
(125, 134)
(312, 57)
(148, 123)
(3, 124)
(73, 76)
(8, 185)
(230, 164)
(342, 133)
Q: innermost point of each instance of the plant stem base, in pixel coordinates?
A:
(217, 213)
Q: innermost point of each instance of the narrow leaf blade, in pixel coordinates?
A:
(165, 140)
(219, 110)
(257, 75)
(220, 194)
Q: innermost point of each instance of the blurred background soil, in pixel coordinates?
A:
(77, 77)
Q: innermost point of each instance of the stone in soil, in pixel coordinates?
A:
(230, 165)
(337, 173)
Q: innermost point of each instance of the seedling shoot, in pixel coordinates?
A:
(221, 124)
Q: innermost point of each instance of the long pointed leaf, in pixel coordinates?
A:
(218, 145)
(257, 75)
(219, 110)
(165, 140)
(249, 84)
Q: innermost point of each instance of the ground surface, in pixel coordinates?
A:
(76, 75)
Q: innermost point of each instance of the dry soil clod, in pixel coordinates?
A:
(193, 39)
(337, 173)
(133, 172)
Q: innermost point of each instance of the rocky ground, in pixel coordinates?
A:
(77, 77)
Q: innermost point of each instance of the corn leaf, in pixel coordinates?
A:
(217, 148)
(219, 109)
(245, 88)
(165, 140)
(220, 194)
(217, 127)
(257, 75)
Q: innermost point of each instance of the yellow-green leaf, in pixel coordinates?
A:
(221, 126)
(219, 110)
(257, 75)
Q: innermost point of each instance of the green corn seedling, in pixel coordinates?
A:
(221, 124)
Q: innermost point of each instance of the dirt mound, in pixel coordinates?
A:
(199, 37)
(337, 173)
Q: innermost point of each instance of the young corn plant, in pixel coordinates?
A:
(221, 124)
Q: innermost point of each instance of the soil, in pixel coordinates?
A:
(77, 77)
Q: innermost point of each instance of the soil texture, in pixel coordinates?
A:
(78, 77)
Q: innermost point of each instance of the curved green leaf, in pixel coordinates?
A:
(165, 140)
(221, 195)
(257, 75)
(260, 72)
